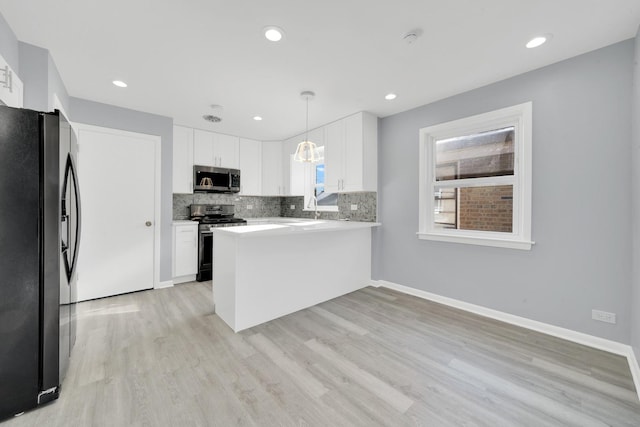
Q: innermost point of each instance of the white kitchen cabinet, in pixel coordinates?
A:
(272, 184)
(185, 251)
(11, 88)
(288, 149)
(250, 167)
(215, 149)
(351, 154)
(226, 149)
(294, 173)
(182, 159)
(333, 156)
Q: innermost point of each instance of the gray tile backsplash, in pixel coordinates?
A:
(260, 206)
(280, 206)
(366, 207)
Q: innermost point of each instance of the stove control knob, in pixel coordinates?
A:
(148, 223)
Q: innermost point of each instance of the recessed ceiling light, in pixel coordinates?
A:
(119, 83)
(390, 96)
(537, 41)
(257, 118)
(273, 34)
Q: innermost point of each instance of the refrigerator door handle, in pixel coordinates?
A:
(70, 173)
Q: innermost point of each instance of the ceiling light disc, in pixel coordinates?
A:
(119, 83)
(273, 34)
(538, 41)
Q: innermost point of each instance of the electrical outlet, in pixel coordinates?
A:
(292, 207)
(249, 207)
(354, 207)
(603, 316)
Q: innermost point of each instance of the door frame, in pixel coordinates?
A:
(157, 140)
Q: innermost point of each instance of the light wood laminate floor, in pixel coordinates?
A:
(371, 358)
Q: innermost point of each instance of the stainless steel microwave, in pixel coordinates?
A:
(208, 179)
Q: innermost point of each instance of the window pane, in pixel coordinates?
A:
(445, 208)
(322, 197)
(477, 155)
(475, 208)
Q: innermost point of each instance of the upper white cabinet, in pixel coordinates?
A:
(227, 150)
(182, 159)
(293, 173)
(272, 184)
(268, 169)
(11, 90)
(250, 167)
(215, 149)
(334, 156)
(351, 154)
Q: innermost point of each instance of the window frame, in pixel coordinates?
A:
(310, 186)
(520, 117)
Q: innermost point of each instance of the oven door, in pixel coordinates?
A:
(205, 255)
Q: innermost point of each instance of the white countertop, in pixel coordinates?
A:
(291, 226)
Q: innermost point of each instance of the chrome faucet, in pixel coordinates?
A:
(315, 205)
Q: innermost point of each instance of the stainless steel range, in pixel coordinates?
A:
(209, 216)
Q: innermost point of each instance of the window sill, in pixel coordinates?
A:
(481, 241)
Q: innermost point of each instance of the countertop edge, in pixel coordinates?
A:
(287, 230)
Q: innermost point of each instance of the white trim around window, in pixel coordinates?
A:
(518, 116)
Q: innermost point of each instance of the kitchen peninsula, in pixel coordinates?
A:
(268, 270)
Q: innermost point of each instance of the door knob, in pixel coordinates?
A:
(148, 223)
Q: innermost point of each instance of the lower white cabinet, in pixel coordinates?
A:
(185, 251)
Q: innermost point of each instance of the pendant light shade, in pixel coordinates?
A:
(306, 151)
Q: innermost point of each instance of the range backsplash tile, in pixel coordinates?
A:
(280, 206)
(260, 206)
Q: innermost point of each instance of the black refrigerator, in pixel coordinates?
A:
(39, 236)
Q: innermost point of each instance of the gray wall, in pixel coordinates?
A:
(34, 66)
(581, 207)
(41, 79)
(9, 46)
(94, 113)
(56, 86)
(635, 159)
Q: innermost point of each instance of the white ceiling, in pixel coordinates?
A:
(179, 57)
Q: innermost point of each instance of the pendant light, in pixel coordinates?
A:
(307, 151)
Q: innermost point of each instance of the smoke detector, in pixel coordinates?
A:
(410, 37)
(216, 117)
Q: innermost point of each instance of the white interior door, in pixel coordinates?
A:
(117, 175)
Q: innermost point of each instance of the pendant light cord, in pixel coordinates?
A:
(306, 138)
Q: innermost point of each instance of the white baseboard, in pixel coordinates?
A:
(184, 279)
(556, 331)
(162, 285)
